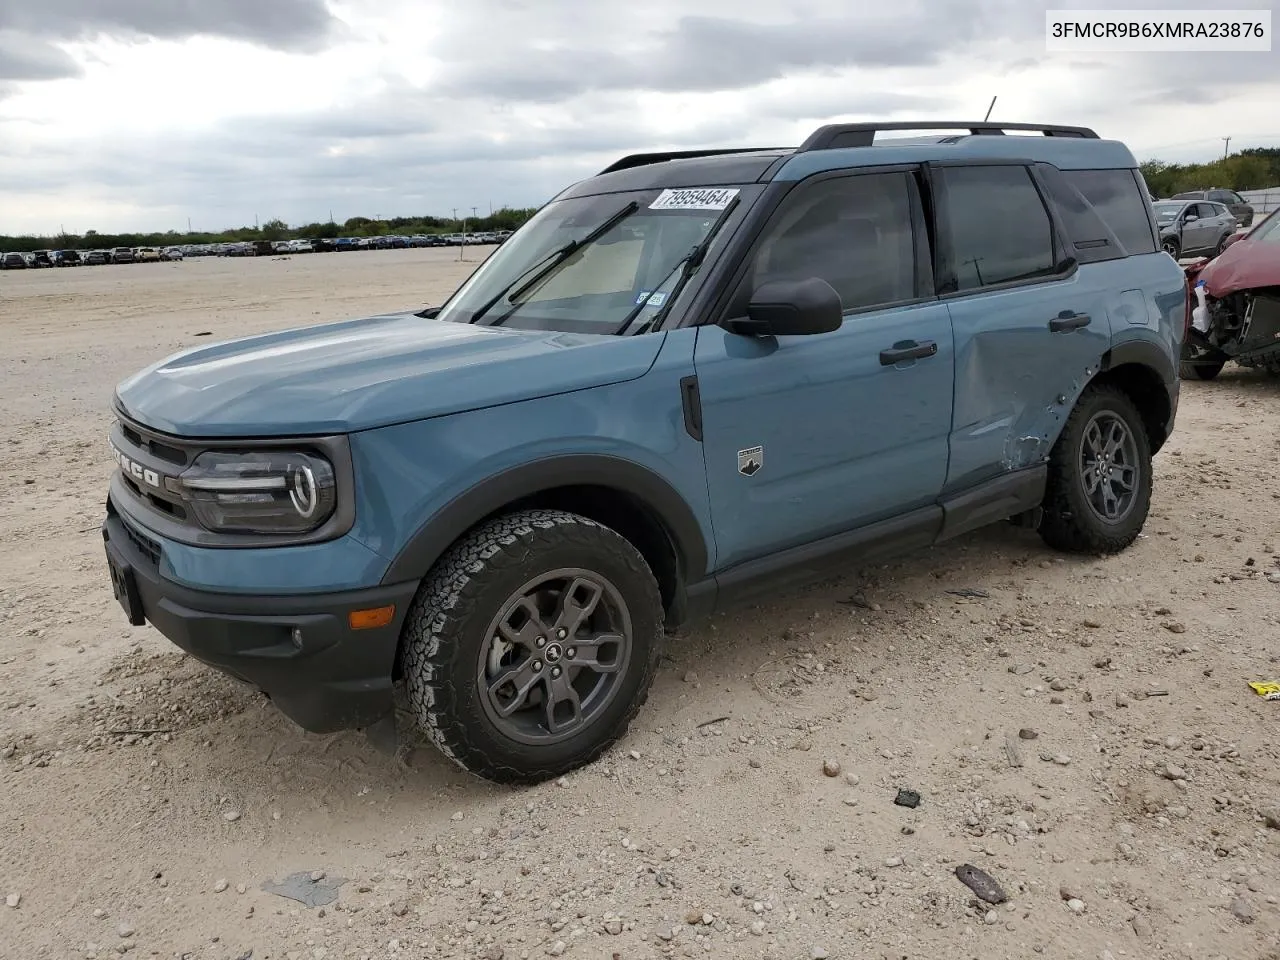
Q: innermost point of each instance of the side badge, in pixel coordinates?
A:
(750, 461)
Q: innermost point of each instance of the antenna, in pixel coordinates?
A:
(989, 109)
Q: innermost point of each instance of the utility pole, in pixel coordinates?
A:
(188, 224)
(1226, 142)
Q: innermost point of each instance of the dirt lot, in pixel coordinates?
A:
(712, 829)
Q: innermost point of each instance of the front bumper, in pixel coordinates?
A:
(298, 650)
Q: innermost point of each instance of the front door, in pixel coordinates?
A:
(809, 436)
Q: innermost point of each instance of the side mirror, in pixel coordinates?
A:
(789, 308)
(1189, 217)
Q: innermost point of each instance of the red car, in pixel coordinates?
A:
(1242, 294)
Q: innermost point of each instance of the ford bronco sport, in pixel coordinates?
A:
(685, 378)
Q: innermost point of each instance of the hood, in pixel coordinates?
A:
(1244, 265)
(360, 374)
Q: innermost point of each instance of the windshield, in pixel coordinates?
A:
(1268, 231)
(535, 281)
(1167, 211)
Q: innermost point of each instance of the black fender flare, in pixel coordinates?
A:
(1144, 353)
(489, 496)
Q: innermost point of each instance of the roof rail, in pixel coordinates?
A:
(836, 135)
(644, 159)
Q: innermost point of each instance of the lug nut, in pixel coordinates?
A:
(571, 652)
(537, 665)
(562, 633)
(541, 641)
(555, 672)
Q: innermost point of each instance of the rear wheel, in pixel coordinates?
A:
(1099, 487)
(532, 644)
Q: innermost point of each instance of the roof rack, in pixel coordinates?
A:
(644, 159)
(836, 135)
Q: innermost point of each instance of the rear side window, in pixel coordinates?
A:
(1091, 239)
(998, 228)
(1117, 198)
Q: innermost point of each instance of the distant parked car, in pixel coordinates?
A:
(300, 246)
(40, 258)
(65, 258)
(13, 261)
(324, 245)
(94, 258)
(1240, 208)
(122, 255)
(146, 255)
(1193, 229)
(171, 253)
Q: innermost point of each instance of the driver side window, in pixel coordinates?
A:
(854, 232)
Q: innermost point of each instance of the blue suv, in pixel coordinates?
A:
(689, 377)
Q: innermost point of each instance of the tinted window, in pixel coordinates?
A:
(1116, 196)
(1204, 210)
(1091, 239)
(854, 232)
(1223, 196)
(998, 226)
(1189, 195)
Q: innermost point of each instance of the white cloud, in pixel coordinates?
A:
(220, 112)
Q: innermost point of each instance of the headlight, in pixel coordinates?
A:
(266, 492)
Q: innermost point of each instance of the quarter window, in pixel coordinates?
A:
(998, 228)
(853, 232)
(1115, 195)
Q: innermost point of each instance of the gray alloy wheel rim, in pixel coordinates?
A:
(1110, 474)
(555, 656)
(1170, 248)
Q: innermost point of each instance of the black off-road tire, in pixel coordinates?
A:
(1070, 523)
(1199, 370)
(447, 626)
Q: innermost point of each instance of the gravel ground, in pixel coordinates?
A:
(1079, 729)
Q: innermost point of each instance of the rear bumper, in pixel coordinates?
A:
(298, 650)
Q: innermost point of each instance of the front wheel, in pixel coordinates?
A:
(1171, 247)
(532, 644)
(1099, 486)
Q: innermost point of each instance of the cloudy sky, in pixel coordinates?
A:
(142, 114)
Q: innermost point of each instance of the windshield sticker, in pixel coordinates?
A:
(698, 198)
(649, 298)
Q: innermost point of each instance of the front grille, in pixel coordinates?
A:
(156, 447)
(160, 458)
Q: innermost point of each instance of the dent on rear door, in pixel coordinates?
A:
(1016, 380)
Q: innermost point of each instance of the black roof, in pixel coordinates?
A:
(687, 171)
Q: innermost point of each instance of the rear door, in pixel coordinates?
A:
(1028, 325)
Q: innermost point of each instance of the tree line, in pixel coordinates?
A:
(505, 219)
(1254, 169)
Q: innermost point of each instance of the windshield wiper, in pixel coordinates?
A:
(690, 262)
(551, 261)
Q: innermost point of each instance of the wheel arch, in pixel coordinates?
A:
(621, 494)
(1149, 376)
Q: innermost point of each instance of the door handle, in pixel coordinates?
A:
(907, 350)
(1069, 320)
